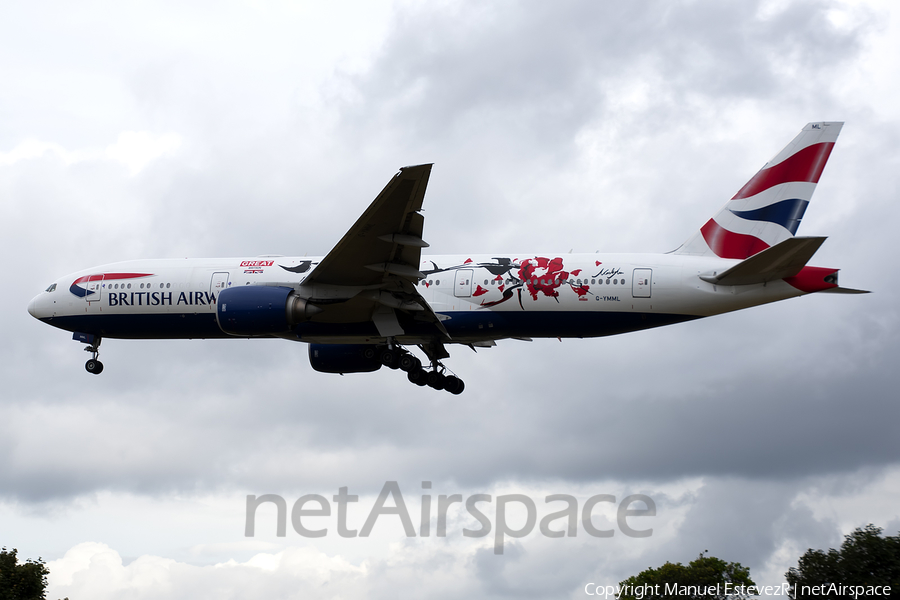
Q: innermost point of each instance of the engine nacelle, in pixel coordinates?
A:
(343, 358)
(257, 310)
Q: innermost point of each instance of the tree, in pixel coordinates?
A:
(865, 559)
(26, 581)
(697, 580)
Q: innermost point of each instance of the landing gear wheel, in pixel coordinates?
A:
(435, 380)
(454, 385)
(410, 363)
(93, 365)
(417, 376)
(390, 358)
(369, 353)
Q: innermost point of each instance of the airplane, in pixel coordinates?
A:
(359, 306)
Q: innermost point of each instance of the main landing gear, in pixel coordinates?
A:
(93, 365)
(395, 357)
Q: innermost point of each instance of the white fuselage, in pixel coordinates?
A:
(477, 298)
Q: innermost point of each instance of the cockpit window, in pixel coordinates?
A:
(52, 288)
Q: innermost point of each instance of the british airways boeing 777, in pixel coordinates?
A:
(374, 293)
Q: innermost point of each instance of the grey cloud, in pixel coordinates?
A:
(539, 71)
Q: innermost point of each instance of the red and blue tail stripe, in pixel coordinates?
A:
(728, 244)
(787, 213)
(806, 165)
(768, 208)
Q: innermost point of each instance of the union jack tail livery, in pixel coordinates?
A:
(768, 209)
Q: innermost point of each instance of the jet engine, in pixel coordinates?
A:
(257, 310)
(344, 358)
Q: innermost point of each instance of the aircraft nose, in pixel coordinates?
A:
(32, 308)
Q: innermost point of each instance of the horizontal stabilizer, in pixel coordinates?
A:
(843, 290)
(782, 260)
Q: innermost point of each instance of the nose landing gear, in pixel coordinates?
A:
(93, 365)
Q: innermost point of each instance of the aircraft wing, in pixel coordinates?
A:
(381, 253)
(386, 241)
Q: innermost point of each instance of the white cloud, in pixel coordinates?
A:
(136, 149)
(94, 570)
(133, 149)
(31, 149)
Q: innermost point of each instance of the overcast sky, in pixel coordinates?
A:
(241, 128)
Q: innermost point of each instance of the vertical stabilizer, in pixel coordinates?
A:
(768, 209)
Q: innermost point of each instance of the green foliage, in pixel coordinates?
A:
(26, 581)
(703, 573)
(865, 558)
